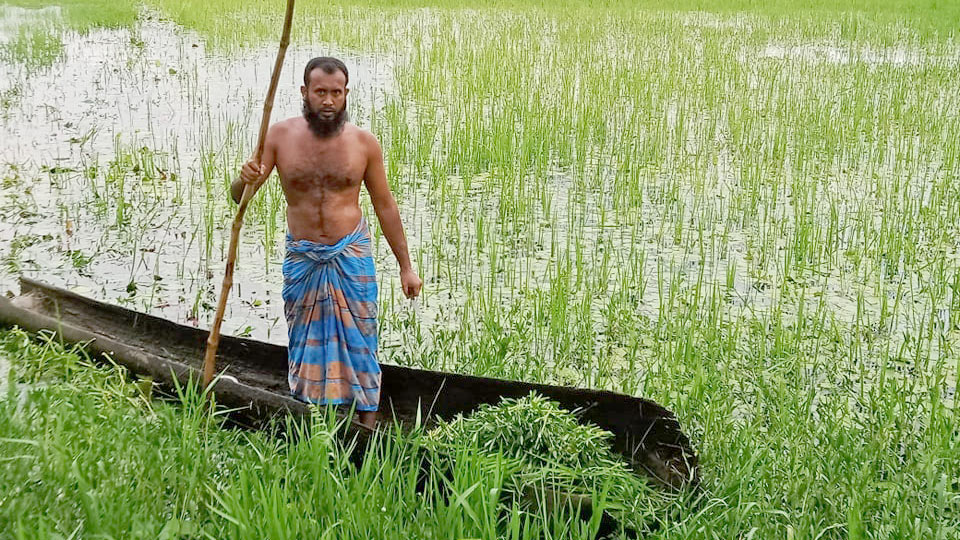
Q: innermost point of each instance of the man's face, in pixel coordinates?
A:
(326, 95)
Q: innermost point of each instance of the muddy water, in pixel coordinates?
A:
(157, 84)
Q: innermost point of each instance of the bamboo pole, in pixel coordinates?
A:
(213, 340)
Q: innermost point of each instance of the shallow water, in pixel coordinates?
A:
(898, 56)
(158, 85)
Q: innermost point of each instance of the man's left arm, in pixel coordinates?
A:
(385, 206)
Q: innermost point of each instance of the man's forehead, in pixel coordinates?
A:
(318, 76)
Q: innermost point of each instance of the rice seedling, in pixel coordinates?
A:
(9, 96)
(85, 15)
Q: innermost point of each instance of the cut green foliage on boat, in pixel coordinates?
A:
(531, 429)
(537, 446)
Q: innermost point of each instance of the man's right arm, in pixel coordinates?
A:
(254, 173)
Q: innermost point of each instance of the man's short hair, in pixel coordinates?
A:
(328, 64)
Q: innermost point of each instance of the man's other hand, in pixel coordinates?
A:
(411, 283)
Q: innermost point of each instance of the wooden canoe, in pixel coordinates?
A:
(647, 434)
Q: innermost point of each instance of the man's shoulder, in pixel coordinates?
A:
(363, 136)
(287, 124)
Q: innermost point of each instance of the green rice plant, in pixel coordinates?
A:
(9, 97)
(35, 47)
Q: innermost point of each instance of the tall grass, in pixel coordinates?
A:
(86, 453)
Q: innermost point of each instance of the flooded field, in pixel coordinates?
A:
(115, 163)
(747, 174)
(742, 214)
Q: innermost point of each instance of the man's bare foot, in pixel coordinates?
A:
(369, 419)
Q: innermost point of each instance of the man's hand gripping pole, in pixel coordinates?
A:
(209, 358)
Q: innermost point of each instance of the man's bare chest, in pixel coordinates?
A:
(308, 169)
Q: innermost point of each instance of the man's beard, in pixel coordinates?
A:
(323, 127)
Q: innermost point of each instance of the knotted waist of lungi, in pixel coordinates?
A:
(330, 302)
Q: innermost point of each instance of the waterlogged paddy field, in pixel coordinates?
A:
(749, 215)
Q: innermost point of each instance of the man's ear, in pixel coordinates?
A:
(303, 91)
(345, 92)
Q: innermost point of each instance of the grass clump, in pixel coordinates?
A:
(87, 454)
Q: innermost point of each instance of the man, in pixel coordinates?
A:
(329, 285)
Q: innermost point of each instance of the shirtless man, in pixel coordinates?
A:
(330, 291)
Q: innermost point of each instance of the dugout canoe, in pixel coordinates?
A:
(648, 435)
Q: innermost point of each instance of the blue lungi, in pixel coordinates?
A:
(330, 303)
